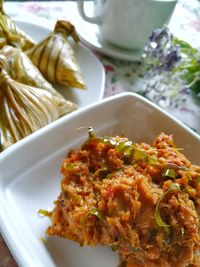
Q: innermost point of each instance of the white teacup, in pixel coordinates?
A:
(128, 23)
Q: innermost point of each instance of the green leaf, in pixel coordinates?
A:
(198, 179)
(169, 173)
(152, 160)
(159, 220)
(125, 147)
(72, 195)
(182, 44)
(115, 246)
(140, 155)
(44, 213)
(97, 213)
(68, 166)
(196, 87)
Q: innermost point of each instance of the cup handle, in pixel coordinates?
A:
(95, 20)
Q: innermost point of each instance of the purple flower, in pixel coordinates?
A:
(172, 58)
(160, 53)
(186, 90)
(160, 35)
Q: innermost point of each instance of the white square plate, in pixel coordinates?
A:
(30, 178)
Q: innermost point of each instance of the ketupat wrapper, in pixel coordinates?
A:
(11, 34)
(21, 69)
(23, 108)
(55, 58)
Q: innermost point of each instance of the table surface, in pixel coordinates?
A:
(120, 75)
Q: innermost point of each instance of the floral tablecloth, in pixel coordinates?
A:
(120, 75)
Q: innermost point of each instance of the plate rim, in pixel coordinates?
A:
(120, 97)
(85, 109)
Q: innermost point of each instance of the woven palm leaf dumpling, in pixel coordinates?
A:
(55, 57)
(21, 69)
(10, 34)
(27, 100)
(24, 109)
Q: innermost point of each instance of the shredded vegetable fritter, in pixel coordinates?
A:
(141, 200)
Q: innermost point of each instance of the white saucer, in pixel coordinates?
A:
(89, 35)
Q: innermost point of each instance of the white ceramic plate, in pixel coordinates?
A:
(92, 69)
(89, 35)
(30, 178)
